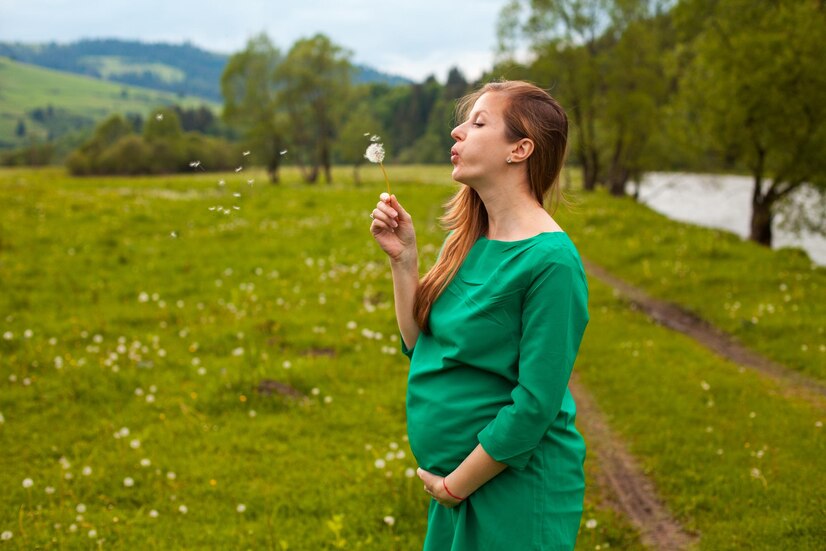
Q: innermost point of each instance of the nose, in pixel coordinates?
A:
(457, 133)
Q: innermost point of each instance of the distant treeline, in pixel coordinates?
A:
(158, 145)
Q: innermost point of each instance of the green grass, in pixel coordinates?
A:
(770, 300)
(699, 445)
(77, 100)
(91, 268)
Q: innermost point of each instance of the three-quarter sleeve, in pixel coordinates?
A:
(406, 351)
(554, 316)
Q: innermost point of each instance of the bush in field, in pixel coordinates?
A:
(163, 148)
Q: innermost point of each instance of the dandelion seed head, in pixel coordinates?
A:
(389, 521)
(375, 153)
(28, 483)
(128, 482)
(591, 523)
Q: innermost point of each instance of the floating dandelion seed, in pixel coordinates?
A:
(366, 134)
(251, 181)
(197, 164)
(236, 195)
(221, 182)
(375, 154)
(245, 153)
(236, 207)
(239, 169)
(211, 208)
(159, 117)
(173, 234)
(374, 138)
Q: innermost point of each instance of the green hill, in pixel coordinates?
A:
(52, 104)
(176, 68)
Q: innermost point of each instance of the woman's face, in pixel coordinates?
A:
(481, 147)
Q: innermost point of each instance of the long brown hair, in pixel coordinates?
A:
(530, 112)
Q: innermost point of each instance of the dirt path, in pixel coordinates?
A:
(795, 385)
(624, 485)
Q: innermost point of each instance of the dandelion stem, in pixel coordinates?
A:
(386, 179)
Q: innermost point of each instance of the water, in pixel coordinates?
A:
(724, 202)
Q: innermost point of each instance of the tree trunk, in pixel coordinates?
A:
(761, 206)
(590, 170)
(617, 174)
(761, 223)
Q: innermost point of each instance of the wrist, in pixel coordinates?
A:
(451, 492)
(406, 261)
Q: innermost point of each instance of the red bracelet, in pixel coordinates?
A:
(444, 483)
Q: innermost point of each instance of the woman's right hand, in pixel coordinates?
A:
(392, 228)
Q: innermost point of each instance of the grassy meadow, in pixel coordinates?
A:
(136, 326)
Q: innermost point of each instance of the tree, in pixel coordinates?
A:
(755, 90)
(600, 59)
(250, 89)
(314, 84)
(637, 91)
(20, 131)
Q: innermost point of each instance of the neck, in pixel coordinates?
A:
(513, 212)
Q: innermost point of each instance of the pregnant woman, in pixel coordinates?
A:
(492, 332)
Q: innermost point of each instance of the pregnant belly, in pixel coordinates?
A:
(446, 409)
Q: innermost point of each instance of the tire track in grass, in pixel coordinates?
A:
(624, 485)
(795, 385)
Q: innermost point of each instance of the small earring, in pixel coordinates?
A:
(508, 160)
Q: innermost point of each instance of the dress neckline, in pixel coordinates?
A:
(526, 240)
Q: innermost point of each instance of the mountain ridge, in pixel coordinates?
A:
(183, 69)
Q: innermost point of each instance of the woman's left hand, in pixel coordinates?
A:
(434, 485)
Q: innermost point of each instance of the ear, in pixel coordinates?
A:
(522, 150)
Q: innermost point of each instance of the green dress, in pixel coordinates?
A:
(494, 371)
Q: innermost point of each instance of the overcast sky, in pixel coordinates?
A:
(412, 38)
